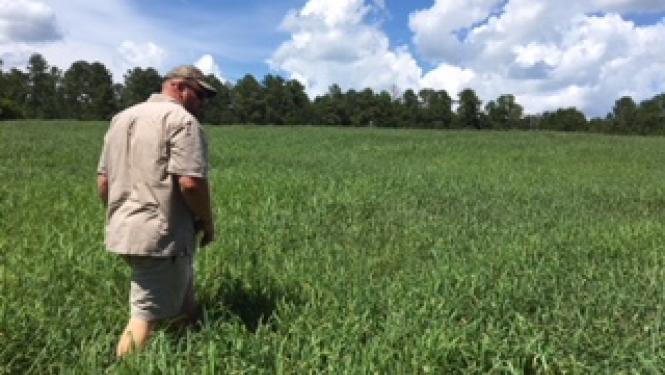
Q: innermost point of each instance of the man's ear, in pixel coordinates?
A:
(181, 86)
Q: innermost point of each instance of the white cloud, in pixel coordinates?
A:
(107, 32)
(449, 77)
(535, 53)
(25, 21)
(331, 42)
(142, 54)
(438, 30)
(22, 23)
(208, 65)
(570, 96)
(548, 53)
(114, 32)
(14, 55)
(338, 14)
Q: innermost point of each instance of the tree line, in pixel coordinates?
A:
(86, 91)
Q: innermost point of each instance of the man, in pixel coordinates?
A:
(152, 178)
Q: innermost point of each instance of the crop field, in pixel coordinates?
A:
(354, 251)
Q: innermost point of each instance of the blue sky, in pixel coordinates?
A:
(548, 53)
(247, 31)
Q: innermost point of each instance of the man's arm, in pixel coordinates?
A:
(103, 188)
(196, 193)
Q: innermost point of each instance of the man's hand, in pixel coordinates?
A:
(196, 193)
(103, 188)
(208, 230)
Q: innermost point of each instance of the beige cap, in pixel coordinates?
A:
(190, 72)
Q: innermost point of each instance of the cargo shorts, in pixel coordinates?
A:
(161, 287)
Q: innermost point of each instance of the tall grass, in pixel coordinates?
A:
(354, 251)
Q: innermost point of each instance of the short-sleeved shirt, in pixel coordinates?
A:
(146, 148)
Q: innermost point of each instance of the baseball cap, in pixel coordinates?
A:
(192, 73)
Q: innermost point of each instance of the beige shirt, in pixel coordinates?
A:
(146, 147)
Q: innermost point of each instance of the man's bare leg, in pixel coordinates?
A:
(136, 335)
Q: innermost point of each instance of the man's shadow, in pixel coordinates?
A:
(254, 306)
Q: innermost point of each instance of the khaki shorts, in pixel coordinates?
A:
(161, 288)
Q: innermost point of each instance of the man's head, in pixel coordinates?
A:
(188, 86)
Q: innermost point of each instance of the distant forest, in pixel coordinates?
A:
(86, 91)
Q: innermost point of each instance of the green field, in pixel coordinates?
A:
(354, 251)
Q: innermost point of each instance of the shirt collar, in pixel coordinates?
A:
(159, 97)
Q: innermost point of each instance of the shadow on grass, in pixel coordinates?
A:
(254, 306)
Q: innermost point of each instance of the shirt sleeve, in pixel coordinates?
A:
(188, 150)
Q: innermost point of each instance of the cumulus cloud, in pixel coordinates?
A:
(27, 21)
(548, 53)
(332, 42)
(23, 25)
(121, 34)
(142, 54)
(440, 30)
(570, 96)
(448, 77)
(112, 32)
(208, 65)
(79, 30)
